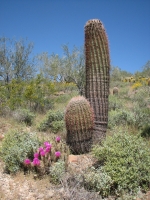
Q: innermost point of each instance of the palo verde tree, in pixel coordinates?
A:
(22, 63)
(15, 60)
(5, 60)
(68, 68)
(74, 65)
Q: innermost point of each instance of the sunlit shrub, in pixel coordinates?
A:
(65, 87)
(141, 116)
(57, 126)
(114, 102)
(51, 117)
(16, 146)
(24, 115)
(126, 159)
(98, 180)
(57, 171)
(136, 85)
(120, 117)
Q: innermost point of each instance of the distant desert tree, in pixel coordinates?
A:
(15, 60)
(68, 68)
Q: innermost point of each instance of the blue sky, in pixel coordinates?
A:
(51, 23)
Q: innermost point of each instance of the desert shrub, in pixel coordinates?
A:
(98, 180)
(142, 97)
(65, 87)
(23, 115)
(16, 146)
(141, 116)
(120, 117)
(62, 98)
(51, 117)
(74, 190)
(57, 126)
(126, 159)
(136, 85)
(114, 102)
(57, 171)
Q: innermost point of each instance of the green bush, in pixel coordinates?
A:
(142, 116)
(57, 126)
(141, 97)
(126, 159)
(51, 116)
(98, 180)
(114, 102)
(62, 98)
(16, 146)
(57, 171)
(23, 115)
(120, 117)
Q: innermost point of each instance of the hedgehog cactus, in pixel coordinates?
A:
(79, 120)
(97, 64)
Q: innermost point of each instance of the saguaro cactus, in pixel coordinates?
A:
(97, 64)
(79, 120)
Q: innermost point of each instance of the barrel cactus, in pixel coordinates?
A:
(115, 91)
(79, 120)
(97, 63)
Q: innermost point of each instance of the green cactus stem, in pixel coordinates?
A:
(79, 120)
(97, 64)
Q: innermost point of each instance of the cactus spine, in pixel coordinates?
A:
(97, 64)
(79, 120)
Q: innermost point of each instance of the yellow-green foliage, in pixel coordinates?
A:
(136, 85)
(132, 79)
(63, 86)
(31, 94)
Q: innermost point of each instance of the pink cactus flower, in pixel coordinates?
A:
(57, 154)
(36, 155)
(42, 153)
(27, 161)
(47, 144)
(47, 149)
(57, 139)
(36, 162)
(41, 149)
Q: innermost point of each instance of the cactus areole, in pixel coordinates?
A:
(97, 63)
(79, 120)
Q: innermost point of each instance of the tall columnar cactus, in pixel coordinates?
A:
(79, 120)
(97, 64)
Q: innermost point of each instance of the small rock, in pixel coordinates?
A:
(40, 196)
(72, 159)
(50, 194)
(1, 137)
